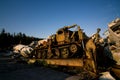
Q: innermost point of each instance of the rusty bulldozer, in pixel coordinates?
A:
(72, 48)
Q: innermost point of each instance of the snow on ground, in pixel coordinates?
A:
(82, 76)
(24, 50)
(106, 76)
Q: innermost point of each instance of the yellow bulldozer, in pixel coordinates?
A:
(73, 48)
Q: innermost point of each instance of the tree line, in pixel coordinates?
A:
(7, 40)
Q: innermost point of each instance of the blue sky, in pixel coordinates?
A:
(41, 18)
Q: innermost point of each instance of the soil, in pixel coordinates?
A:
(10, 70)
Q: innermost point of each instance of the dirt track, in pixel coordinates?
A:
(9, 70)
(15, 71)
(31, 73)
(36, 73)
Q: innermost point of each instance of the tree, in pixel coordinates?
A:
(7, 39)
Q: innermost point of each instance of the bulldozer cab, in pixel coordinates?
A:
(63, 35)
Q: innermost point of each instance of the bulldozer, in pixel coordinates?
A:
(67, 47)
(72, 48)
(64, 44)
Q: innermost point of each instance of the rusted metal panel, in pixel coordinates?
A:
(114, 31)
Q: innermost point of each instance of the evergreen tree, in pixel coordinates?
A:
(7, 40)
